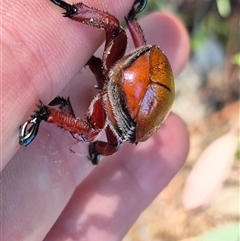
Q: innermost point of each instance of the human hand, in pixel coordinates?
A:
(42, 52)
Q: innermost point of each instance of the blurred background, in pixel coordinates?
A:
(202, 201)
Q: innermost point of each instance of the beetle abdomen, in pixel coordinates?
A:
(139, 94)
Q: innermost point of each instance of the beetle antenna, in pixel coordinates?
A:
(73, 151)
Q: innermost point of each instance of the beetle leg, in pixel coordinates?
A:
(66, 107)
(116, 39)
(96, 66)
(86, 128)
(98, 148)
(133, 26)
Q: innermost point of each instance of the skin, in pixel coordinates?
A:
(47, 191)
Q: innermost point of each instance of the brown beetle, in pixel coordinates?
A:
(136, 90)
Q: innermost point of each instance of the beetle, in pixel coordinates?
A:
(136, 90)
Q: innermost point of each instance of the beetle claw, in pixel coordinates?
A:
(29, 129)
(71, 10)
(137, 7)
(93, 156)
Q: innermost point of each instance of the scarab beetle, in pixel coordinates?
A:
(136, 90)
